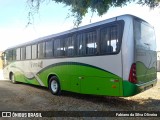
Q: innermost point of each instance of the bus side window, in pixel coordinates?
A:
(69, 46)
(109, 40)
(91, 43)
(41, 50)
(14, 54)
(49, 49)
(105, 36)
(109, 49)
(18, 54)
(81, 44)
(114, 38)
(23, 53)
(59, 49)
(34, 51)
(28, 52)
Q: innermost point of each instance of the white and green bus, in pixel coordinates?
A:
(114, 57)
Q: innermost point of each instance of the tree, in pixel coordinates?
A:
(79, 8)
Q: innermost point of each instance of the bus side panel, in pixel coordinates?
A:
(129, 89)
(97, 81)
(127, 47)
(84, 78)
(139, 52)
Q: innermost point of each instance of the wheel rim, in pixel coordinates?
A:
(54, 86)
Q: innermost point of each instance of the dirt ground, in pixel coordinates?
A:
(23, 97)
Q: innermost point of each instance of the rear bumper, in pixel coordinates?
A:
(130, 89)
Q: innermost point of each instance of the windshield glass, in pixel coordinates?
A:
(144, 35)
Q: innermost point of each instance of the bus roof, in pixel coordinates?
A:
(74, 30)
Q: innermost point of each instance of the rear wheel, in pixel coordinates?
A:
(54, 85)
(12, 78)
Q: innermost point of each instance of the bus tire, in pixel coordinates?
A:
(12, 78)
(54, 85)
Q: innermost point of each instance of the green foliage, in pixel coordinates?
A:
(79, 8)
(151, 3)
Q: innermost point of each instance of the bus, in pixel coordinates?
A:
(113, 57)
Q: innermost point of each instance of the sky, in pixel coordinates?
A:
(51, 19)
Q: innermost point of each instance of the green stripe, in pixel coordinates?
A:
(21, 78)
(145, 74)
(94, 80)
(74, 63)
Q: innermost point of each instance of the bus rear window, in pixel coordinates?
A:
(144, 35)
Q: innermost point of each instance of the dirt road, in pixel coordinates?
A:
(23, 97)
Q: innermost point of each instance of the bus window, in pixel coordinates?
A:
(34, 51)
(14, 54)
(81, 47)
(28, 52)
(105, 36)
(59, 47)
(109, 40)
(144, 36)
(18, 55)
(41, 50)
(49, 49)
(114, 39)
(23, 53)
(91, 43)
(69, 46)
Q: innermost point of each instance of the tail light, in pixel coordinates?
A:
(132, 75)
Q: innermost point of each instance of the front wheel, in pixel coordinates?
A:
(54, 86)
